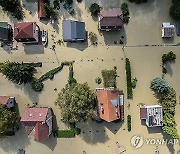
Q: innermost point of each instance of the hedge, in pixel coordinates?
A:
(64, 133)
(129, 122)
(51, 73)
(128, 79)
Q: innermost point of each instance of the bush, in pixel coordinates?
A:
(138, 1)
(98, 80)
(79, 1)
(134, 81)
(50, 13)
(128, 79)
(56, 4)
(129, 122)
(71, 79)
(93, 38)
(125, 12)
(170, 56)
(175, 11)
(37, 85)
(94, 9)
(64, 133)
(160, 85)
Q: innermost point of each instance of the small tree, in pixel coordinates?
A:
(8, 120)
(94, 9)
(160, 85)
(175, 11)
(18, 72)
(50, 13)
(93, 38)
(76, 102)
(37, 85)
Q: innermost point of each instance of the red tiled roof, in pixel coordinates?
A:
(111, 18)
(41, 132)
(41, 11)
(23, 30)
(110, 112)
(34, 114)
(4, 99)
(143, 113)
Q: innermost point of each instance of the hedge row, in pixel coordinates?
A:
(71, 79)
(51, 73)
(128, 79)
(129, 122)
(64, 133)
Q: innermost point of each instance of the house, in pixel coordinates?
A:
(153, 115)
(110, 104)
(73, 31)
(168, 30)
(38, 122)
(6, 32)
(26, 32)
(41, 11)
(110, 20)
(8, 101)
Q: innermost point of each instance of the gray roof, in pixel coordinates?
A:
(73, 30)
(3, 31)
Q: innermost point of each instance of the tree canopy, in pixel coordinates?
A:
(18, 72)
(8, 119)
(94, 9)
(76, 102)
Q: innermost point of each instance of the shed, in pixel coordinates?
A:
(167, 30)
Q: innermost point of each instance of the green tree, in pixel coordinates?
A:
(94, 9)
(14, 7)
(18, 72)
(160, 85)
(50, 12)
(175, 11)
(8, 120)
(76, 102)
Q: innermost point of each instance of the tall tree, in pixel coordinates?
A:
(8, 120)
(18, 72)
(76, 102)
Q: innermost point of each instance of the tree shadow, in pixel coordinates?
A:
(13, 143)
(33, 96)
(78, 45)
(93, 133)
(168, 68)
(50, 142)
(113, 126)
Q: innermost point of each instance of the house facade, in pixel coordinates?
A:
(110, 104)
(73, 31)
(152, 114)
(8, 101)
(26, 32)
(110, 19)
(6, 32)
(38, 122)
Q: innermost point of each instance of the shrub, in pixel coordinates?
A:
(170, 56)
(94, 9)
(175, 11)
(125, 12)
(128, 79)
(71, 79)
(138, 1)
(160, 85)
(49, 10)
(134, 81)
(64, 133)
(37, 85)
(129, 122)
(98, 80)
(79, 1)
(93, 38)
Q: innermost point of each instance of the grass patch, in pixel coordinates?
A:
(64, 134)
(128, 79)
(109, 78)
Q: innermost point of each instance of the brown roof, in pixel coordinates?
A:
(41, 11)
(34, 115)
(106, 109)
(23, 30)
(4, 99)
(111, 17)
(41, 132)
(143, 113)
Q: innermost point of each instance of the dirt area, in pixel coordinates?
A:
(143, 29)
